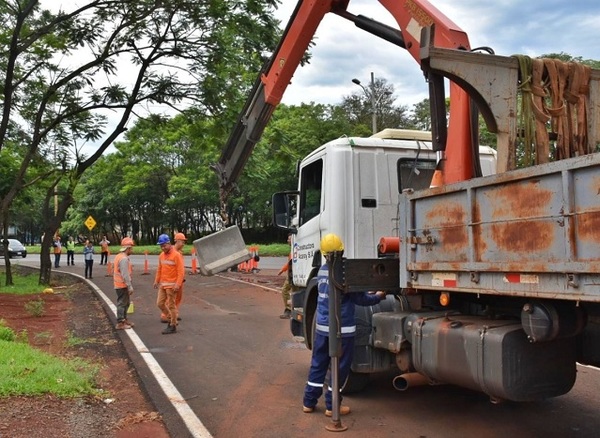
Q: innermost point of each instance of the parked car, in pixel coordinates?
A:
(15, 249)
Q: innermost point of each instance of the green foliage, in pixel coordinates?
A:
(6, 333)
(23, 285)
(62, 72)
(73, 341)
(570, 58)
(26, 371)
(358, 109)
(35, 307)
(22, 336)
(200, 58)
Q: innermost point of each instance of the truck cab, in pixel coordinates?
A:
(350, 186)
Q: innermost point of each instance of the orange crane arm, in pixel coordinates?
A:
(411, 16)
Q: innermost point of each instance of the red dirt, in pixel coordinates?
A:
(74, 313)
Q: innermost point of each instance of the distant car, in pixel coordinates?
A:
(15, 249)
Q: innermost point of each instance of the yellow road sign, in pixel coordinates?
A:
(90, 223)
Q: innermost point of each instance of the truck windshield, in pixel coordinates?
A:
(414, 174)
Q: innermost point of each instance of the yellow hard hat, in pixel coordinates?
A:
(331, 243)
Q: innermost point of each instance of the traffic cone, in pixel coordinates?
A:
(245, 267)
(255, 259)
(251, 262)
(109, 265)
(146, 270)
(194, 262)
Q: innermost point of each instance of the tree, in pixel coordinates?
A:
(359, 108)
(63, 72)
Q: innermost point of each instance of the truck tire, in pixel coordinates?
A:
(356, 382)
(310, 313)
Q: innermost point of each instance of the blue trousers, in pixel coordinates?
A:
(320, 365)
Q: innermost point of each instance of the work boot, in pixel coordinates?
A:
(344, 410)
(129, 323)
(308, 409)
(170, 329)
(287, 313)
(122, 326)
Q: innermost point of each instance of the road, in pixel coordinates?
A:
(242, 374)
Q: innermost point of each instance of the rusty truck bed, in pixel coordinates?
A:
(529, 232)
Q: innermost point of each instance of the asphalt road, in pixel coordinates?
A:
(237, 369)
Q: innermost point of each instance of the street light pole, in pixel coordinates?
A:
(373, 105)
(371, 95)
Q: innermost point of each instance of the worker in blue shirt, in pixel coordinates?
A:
(320, 350)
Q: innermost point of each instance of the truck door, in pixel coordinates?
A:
(306, 241)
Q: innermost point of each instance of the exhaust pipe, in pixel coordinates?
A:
(409, 380)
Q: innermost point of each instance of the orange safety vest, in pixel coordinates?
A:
(170, 270)
(118, 279)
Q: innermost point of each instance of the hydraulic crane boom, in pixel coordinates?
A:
(412, 16)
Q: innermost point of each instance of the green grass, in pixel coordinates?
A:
(268, 250)
(23, 284)
(73, 341)
(27, 371)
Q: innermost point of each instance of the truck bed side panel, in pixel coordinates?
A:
(530, 232)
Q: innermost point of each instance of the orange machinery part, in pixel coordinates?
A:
(389, 245)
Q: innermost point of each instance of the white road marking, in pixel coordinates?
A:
(249, 282)
(192, 422)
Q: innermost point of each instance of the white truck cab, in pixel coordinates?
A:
(350, 186)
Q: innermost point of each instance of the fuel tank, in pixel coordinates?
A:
(494, 357)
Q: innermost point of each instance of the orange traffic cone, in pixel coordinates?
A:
(146, 270)
(109, 265)
(194, 262)
(255, 259)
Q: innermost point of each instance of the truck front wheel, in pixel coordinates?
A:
(356, 382)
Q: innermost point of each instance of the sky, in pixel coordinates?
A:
(343, 51)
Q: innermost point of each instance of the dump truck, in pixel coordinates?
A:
(493, 272)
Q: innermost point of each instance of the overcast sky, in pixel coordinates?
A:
(343, 51)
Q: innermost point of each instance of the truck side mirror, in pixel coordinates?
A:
(283, 210)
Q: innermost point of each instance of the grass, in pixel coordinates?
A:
(73, 341)
(23, 284)
(268, 250)
(27, 371)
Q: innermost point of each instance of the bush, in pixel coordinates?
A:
(7, 334)
(35, 307)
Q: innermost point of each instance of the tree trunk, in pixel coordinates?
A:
(7, 270)
(45, 261)
(4, 242)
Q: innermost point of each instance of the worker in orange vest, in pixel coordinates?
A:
(180, 240)
(57, 251)
(122, 283)
(168, 280)
(104, 250)
(288, 285)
